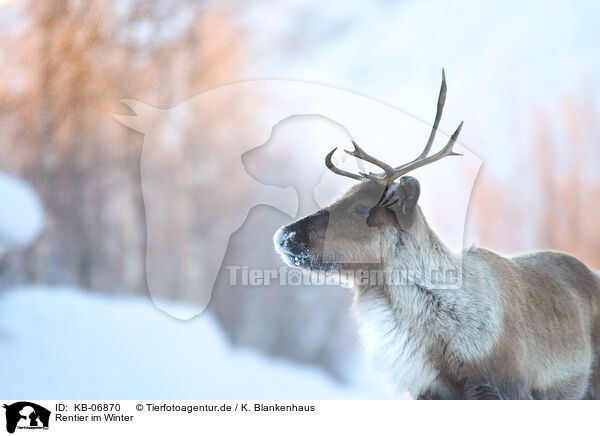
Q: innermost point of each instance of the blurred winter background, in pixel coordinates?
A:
(76, 320)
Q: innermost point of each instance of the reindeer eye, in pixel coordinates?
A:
(361, 209)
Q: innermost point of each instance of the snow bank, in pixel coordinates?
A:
(21, 215)
(60, 343)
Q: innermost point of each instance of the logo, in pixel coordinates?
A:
(26, 415)
(272, 157)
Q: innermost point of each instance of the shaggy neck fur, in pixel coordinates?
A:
(411, 331)
(421, 254)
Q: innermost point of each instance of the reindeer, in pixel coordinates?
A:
(521, 327)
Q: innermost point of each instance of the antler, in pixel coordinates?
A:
(336, 170)
(390, 173)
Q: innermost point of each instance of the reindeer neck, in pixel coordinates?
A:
(421, 255)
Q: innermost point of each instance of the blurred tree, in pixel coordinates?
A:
(558, 205)
(65, 65)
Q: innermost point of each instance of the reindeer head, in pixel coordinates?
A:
(373, 219)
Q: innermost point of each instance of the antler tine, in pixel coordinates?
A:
(446, 151)
(338, 171)
(436, 122)
(363, 155)
(373, 177)
(438, 117)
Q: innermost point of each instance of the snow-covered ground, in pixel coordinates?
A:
(61, 343)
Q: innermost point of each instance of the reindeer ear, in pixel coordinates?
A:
(407, 192)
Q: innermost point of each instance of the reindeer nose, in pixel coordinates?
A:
(300, 237)
(282, 237)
